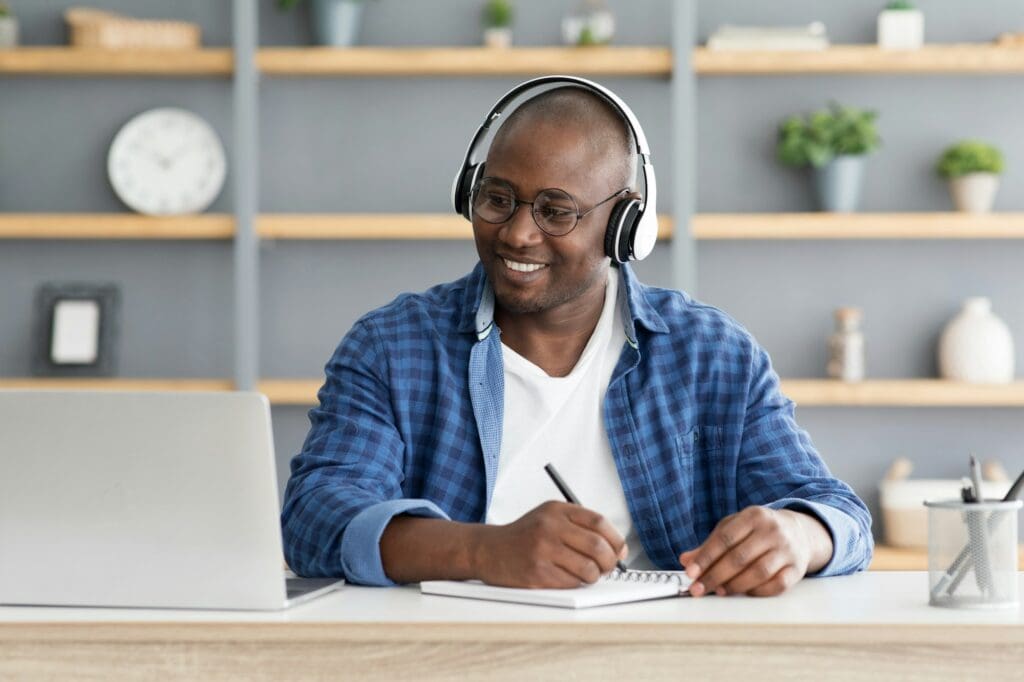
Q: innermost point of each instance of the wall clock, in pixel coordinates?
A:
(167, 161)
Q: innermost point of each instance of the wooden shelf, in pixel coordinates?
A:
(74, 61)
(115, 384)
(979, 58)
(380, 226)
(902, 393)
(904, 559)
(464, 61)
(114, 226)
(290, 391)
(948, 225)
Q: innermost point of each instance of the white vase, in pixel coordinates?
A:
(900, 29)
(498, 37)
(976, 346)
(8, 32)
(974, 192)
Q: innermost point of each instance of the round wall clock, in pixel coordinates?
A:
(167, 161)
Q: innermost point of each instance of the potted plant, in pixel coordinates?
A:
(972, 169)
(8, 27)
(589, 23)
(834, 142)
(335, 22)
(900, 26)
(497, 20)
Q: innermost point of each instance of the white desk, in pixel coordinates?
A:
(874, 626)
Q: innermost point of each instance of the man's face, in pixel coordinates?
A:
(532, 158)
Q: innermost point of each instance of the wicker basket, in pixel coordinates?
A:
(95, 28)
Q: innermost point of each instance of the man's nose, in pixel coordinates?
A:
(520, 230)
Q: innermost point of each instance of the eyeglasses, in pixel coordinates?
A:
(554, 211)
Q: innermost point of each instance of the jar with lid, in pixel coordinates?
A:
(846, 346)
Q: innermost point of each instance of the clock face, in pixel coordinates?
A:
(166, 161)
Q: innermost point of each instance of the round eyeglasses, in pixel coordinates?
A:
(554, 211)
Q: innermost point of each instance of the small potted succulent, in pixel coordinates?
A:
(972, 169)
(834, 142)
(589, 23)
(497, 20)
(8, 27)
(335, 22)
(900, 26)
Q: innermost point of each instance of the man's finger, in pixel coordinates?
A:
(584, 569)
(593, 546)
(778, 584)
(758, 573)
(727, 534)
(735, 561)
(592, 521)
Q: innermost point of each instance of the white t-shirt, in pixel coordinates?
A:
(560, 420)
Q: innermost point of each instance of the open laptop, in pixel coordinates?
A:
(165, 500)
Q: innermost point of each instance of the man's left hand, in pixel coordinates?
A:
(757, 551)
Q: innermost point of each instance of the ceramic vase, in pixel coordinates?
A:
(590, 23)
(976, 346)
(974, 192)
(900, 29)
(838, 183)
(8, 32)
(336, 22)
(498, 37)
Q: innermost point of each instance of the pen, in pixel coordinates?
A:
(569, 497)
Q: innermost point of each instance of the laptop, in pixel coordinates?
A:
(155, 500)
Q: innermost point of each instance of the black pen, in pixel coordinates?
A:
(569, 497)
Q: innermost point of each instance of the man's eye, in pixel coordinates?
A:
(498, 200)
(556, 213)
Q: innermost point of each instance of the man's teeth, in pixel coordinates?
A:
(522, 267)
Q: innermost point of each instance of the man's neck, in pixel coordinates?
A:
(554, 339)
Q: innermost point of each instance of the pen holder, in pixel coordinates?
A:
(972, 554)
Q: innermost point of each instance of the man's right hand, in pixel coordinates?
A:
(556, 544)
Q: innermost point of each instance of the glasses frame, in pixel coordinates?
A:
(516, 201)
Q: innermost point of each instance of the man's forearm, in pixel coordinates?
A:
(414, 548)
(819, 541)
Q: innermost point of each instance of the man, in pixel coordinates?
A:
(425, 457)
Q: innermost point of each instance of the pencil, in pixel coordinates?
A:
(571, 498)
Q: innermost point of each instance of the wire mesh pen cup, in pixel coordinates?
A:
(972, 554)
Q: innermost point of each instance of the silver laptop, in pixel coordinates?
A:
(142, 500)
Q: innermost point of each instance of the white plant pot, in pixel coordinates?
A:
(8, 32)
(974, 192)
(498, 37)
(900, 29)
(976, 346)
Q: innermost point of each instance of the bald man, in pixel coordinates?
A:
(426, 455)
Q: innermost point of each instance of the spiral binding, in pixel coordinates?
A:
(633, 576)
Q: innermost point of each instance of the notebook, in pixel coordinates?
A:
(615, 588)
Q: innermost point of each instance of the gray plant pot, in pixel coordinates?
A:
(8, 32)
(336, 22)
(838, 184)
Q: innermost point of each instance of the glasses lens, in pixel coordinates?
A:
(494, 201)
(555, 212)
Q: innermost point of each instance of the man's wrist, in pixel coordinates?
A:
(817, 539)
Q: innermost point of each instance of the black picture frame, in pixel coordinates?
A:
(106, 298)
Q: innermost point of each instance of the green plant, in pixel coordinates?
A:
(5, 9)
(498, 14)
(969, 156)
(822, 135)
(900, 5)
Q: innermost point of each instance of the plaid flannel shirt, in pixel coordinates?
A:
(410, 421)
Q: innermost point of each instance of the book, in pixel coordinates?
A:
(809, 37)
(617, 587)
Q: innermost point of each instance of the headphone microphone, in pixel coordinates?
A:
(632, 224)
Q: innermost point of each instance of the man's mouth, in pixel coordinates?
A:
(522, 267)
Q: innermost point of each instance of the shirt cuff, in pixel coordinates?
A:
(848, 543)
(360, 544)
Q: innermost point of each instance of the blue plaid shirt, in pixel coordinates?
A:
(410, 421)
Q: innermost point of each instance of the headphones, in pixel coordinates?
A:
(633, 223)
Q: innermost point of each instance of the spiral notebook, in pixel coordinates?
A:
(615, 588)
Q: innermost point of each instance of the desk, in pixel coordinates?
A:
(871, 626)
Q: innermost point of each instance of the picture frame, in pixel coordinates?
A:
(77, 329)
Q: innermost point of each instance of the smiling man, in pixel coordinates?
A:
(426, 455)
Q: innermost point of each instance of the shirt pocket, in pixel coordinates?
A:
(695, 451)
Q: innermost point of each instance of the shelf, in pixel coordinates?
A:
(76, 61)
(464, 61)
(909, 559)
(978, 58)
(300, 392)
(115, 384)
(380, 226)
(114, 226)
(949, 225)
(902, 393)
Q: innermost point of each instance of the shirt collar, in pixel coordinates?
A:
(478, 305)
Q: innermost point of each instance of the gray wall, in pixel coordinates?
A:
(392, 145)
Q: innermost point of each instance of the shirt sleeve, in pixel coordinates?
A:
(779, 468)
(345, 484)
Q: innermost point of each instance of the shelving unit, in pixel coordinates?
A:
(738, 226)
(116, 384)
(77, 61)
(114, 226)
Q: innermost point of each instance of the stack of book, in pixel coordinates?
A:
(810, 37)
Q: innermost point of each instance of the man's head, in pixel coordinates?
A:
(570, 139)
